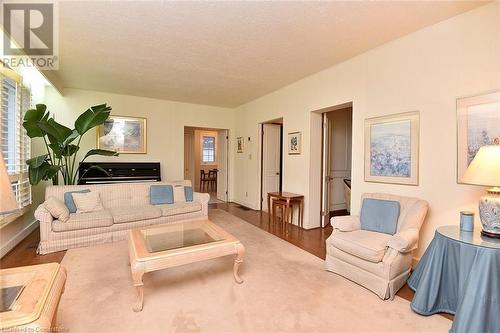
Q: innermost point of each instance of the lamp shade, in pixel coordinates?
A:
(7, 199)
(484, 168)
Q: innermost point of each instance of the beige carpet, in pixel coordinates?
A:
(286, 290)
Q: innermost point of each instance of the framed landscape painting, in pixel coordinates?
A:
(294, 143)
(125, 135)
(478, 124)
(391, 148)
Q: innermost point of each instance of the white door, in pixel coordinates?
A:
(189, 156)
(222, 167)
(325, 173)
(270, 161)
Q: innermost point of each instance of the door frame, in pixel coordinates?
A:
(316, 162)
(228, 171)
(277, 121)
(227, 165)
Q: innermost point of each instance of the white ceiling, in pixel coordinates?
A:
(223, 53)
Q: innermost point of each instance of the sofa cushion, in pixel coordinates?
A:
(179, 193)
(99, 219)
(161, 194)
(88, 202)
(380, 215)
(188, 193)
(137, 213)
(57, 209)
(180, 208)
(367, 245)
(69, 202)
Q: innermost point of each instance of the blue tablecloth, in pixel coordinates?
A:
(462, 279)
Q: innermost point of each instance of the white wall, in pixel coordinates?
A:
(424, 71)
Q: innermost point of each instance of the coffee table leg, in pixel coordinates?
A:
(137, 274)
(240, 253)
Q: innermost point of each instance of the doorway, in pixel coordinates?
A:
(271, 159)
(336, 162)
(206, 161)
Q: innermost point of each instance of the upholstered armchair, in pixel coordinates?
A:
(378, 261)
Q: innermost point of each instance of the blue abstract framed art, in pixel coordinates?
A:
(391, 148)
(478, 124)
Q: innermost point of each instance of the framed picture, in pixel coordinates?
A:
(478, 124)
(126, 135)
(294, 143)
(240, 144)
(391, 148)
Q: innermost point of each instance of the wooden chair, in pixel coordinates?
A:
(212, 176)
(204, 180)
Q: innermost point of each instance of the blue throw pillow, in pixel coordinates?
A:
(161, 194)
(69, 202)
(380, 215)
(188, 193)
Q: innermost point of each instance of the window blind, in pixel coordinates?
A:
(15, 100)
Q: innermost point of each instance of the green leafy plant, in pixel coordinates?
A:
(62, 143)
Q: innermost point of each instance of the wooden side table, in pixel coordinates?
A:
(291, 200)
(38, 289)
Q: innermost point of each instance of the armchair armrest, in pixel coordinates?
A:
(346, 223)
(43, 215)
(404, 241)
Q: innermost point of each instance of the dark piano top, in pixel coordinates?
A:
(118, 172)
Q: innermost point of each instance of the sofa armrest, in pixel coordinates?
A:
(346, 223)
(43, 215)
(404, 241)
(202, 198)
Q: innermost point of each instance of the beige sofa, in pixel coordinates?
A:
(126, 207)
(377, 261)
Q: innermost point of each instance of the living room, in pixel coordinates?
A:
(422, 79)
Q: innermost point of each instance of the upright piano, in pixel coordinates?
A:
(118, 172)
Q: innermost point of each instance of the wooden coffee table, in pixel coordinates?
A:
(30, 297)
(159, 247)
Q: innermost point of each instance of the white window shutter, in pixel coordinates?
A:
(15, 145)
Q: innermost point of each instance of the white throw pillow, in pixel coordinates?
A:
(87, 202)
(57, 209)
(179, 194)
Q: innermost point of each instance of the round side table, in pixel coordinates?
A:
(459, 273)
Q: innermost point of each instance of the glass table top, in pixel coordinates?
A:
(180, 236)
(473, 238)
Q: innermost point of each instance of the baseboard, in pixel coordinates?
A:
(245, 204)
(11, 243)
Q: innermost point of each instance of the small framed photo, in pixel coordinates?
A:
(294, 143)
(125, 135)
(478, 124)
(240, 144)
(391, 148)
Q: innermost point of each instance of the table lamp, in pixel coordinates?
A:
(8, 202)
(485, 170)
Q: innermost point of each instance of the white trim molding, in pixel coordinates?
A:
(11, 243)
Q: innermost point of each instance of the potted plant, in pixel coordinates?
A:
(62, 143)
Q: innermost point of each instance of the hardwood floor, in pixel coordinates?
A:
(24, 253)
(312, 241)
